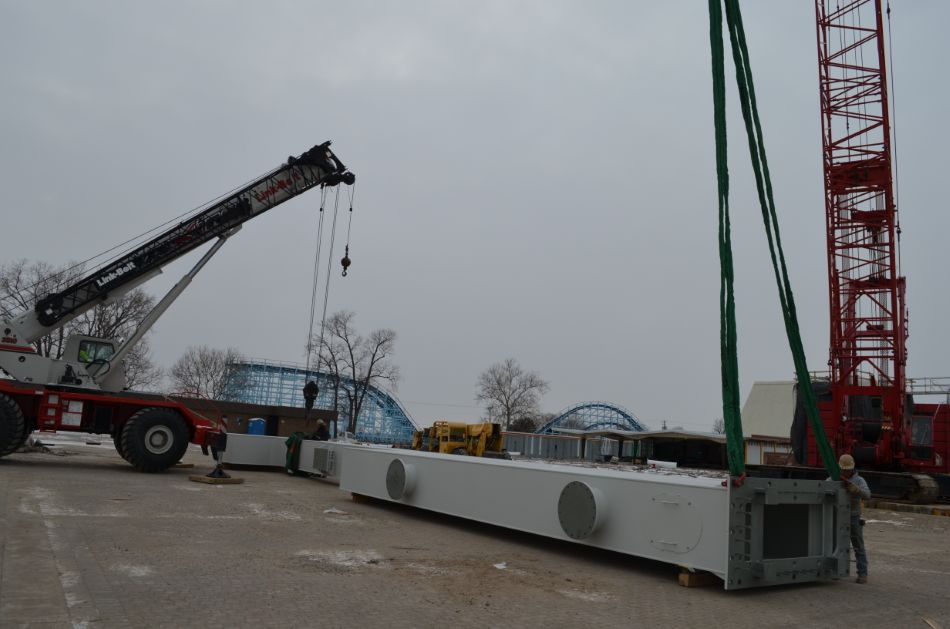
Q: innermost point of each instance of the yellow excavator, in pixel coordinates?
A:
(484, 439)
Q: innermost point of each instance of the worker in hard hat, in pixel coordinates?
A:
(857, 489)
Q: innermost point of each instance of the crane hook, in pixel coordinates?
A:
(345, 262)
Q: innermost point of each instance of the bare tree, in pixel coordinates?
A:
(205, 372)
(355, 363)
(141, 372)
(524, 424)
(573, 421)
(509, 392)
(719, 426)
(530, 423)
(23, 283)
(330, 362)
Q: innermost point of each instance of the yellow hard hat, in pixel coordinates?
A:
(846, 462)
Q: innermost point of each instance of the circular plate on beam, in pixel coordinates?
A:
(400, 479)
(581, 509)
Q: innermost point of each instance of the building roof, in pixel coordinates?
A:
(645, 434)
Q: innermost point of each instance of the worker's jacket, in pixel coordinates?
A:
(863, 492)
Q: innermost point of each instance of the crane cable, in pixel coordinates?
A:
(893, 119)
(311, 390)
(326, 291)
(345, 262)
(763, 182)
(316, 277)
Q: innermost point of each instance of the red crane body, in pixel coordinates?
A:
(866, 409)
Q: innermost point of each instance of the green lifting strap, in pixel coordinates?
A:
(727, 305)
(763, 182)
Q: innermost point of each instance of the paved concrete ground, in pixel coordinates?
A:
(87, 542)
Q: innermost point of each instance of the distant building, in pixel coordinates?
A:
(767, 422)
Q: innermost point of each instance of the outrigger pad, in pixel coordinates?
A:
(216, 481)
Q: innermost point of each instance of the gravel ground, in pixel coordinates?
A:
(85, 541)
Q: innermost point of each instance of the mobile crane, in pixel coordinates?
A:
(867, 410)
(84, 390)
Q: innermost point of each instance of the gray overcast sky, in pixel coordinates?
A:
(535, 180)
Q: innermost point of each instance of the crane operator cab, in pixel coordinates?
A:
(87, 354)
(90, 349)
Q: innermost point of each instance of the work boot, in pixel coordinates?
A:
(862, 578)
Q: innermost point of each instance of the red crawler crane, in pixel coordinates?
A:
(866, 409)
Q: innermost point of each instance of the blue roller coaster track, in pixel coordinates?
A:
(593, 416)
(382, 418)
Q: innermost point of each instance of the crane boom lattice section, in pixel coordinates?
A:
(868, 320)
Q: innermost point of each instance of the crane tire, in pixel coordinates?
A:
(13, 431)
(117, 440)
(154, 439)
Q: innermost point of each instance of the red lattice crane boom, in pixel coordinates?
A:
(866, 409)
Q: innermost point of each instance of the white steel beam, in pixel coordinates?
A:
(762, 532)
(766, 532)
(260, 450)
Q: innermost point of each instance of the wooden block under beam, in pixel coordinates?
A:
(698, 579)
(216, 481)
